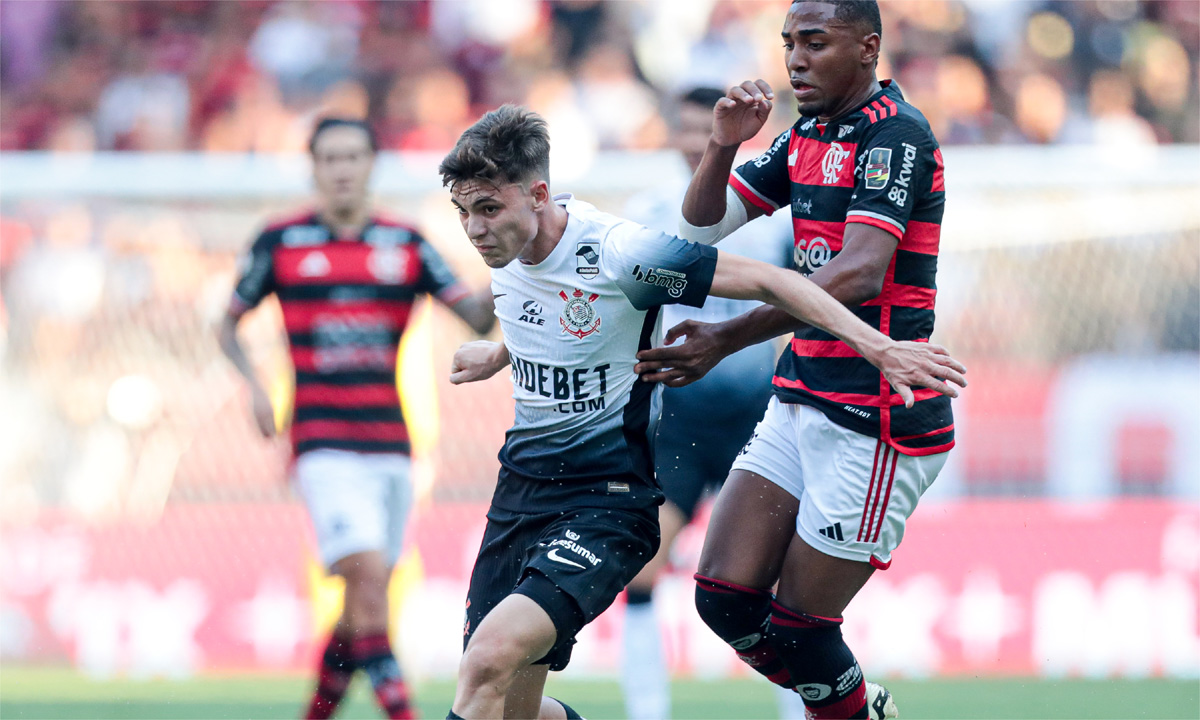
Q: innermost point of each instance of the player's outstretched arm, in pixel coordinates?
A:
(260, 402)
(737, 117)
(478, 310)
(904, 364)
(477, 360)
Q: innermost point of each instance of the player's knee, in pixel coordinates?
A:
(735, 613)
(491, 662)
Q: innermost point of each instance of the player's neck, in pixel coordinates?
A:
(867, 88)
(552, 223)
(346, 222)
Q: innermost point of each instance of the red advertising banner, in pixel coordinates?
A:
(978, 587)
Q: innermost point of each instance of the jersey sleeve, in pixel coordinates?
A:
(437, 278)
(764, 181)
(898, 167)
(653, 268)
(256, 276)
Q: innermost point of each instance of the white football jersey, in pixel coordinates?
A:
(573, 325)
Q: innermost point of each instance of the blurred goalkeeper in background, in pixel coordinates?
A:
(703, 425)
(346, 279)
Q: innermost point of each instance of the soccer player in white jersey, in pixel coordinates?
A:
(693, 458)
(577, 294)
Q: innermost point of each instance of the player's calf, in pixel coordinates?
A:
(333, 677)
(822, 668)
(739, 615)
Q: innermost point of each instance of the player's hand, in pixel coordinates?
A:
(679, 365)
(477, 360)
(264, 413)
(911, 364)
(743, 111)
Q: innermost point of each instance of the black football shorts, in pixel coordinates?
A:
(572, 563)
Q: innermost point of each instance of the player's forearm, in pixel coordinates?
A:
(807, 302)
(478, 311)
(227, 338)
(704, 203)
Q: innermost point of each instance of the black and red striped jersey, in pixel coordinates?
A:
(346, 303)
(878, 165)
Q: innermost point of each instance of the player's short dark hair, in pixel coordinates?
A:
(864, 13)
(331, 122)
(510, 144)
(706, 96)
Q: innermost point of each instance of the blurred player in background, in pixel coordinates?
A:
(819, 498)
(578, 293)
(704, 424)
(347, 279)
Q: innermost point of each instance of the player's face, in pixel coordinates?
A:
(826, 59)
(342, 164)
(691, 135)
(500, 221)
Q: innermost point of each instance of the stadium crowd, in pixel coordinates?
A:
(249, 76)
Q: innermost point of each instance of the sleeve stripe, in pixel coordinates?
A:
(882, 222)
(756, 198)
(453, 294)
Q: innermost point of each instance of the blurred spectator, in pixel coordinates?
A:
(238, 76)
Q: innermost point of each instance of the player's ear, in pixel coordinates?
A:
(870, 50)
(539, 190)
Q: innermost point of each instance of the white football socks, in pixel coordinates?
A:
(644, 679)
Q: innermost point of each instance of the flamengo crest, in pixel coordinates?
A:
(579, 317)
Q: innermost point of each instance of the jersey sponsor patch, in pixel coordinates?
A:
(879, 164)
(670, 280)
(579, 317)
(587, 258)
(531, 312)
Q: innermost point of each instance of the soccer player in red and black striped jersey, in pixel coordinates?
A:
(346, 279)
(819, 497)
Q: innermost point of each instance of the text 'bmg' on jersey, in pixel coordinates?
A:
(878, 165)
(345, 302)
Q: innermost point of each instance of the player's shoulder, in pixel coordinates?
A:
(298, 228)
(389, 231)
(891, 114)
(394, 224)
(279, 223)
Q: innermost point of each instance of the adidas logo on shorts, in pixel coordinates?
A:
(833, 532)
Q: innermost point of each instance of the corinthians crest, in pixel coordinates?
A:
(579, 317)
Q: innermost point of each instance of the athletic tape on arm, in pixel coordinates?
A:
(735, 217)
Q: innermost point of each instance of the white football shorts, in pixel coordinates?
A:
(357, 501)
(855, 491)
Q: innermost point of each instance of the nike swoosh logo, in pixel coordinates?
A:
(494, 295)
(553, 555)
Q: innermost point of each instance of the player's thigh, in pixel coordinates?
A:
(754, 517)
(752, 523)
(346, 501)
(859, 491)
(581, 562)
(591, 554)
(498, 565)
(395, 473)
(819, 584)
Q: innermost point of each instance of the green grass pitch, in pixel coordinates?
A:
(41, 694)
